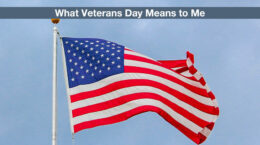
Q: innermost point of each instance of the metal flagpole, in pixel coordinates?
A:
(54, 83)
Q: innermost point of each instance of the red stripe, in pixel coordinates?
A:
(139, 58)
(211, 95)
(133, 69)
(210, 126)
(202, 81)
(191, 56)
(129, 49)
(181, 70)
(126, 115)
(173, 63)
(127, 98)
(144, 82)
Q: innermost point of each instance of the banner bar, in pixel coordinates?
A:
(130, 12)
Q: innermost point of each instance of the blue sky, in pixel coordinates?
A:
(226, 52)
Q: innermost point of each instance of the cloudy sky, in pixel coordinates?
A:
(226, 52)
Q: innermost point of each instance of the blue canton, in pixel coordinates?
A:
(89, 60)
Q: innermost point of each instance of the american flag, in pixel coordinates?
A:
(108, 83)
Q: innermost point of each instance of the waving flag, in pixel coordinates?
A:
(109, 83)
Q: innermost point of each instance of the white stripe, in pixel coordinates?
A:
(143, 89)
(175, 68)
(215, 102)
(207, 88)
(128, 76)
(205, 132)
(189, 62)
(134, 104)
(187, 74)
(198, 75)
(162, 69)
(184, 73)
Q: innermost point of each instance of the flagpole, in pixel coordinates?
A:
(54, 83)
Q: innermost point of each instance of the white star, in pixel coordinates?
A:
(81, 43)
(108, 42)
(103, 64)
(95, 68)
(77, 73)
(107, 51)
(108, 45)
(72, 79)
(77, 48)
(91, 49)
(96, 52)
(92, 74)
(74, 54)
(113, 62)
(82, 77)
(76, 41)
(118, 50)
(97, 45)
(71, 45)
(70, 60)
(102, 43)
(88, 54)
(80, 58)
(71, 69)
(100, 71)
(86, 41)
(102, 48)
(66, 42)
(68, 51)
(87, 70)
(81, 67)
(75, 63)
(107, 59)
(86, 45)
(113, 54)
(118, 57)
(85, 61)
(108, 68)
(98, 61)
(118, 47)
(102, 55)
(91, 43)
(82, 51)
(90, 64)
(93, 58)
(113, 48)
(97, 41)
(113, 44)
(118, 66)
